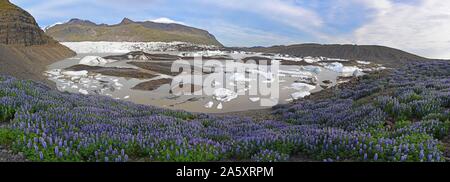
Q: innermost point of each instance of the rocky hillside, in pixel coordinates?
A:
(377, 54)
(24, 48)
(19, 27)
(77, 30)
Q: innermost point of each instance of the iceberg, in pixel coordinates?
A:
(85, 80)
(255, 99)
(207, 53)
(74, 78)
(84, 92)
(220, 106)
(94, 60)
(75, 73)
(337, 59)
(308, 80)
(340, 68)
(310, 68)
(117, 84)
(363, 62)
(336, 67)
(296, 73)
(302, 86)
(310, 59)
(349, 69)
(54, 72)
(299, 95)
(209, 104)
(358, 73)
(239, 77)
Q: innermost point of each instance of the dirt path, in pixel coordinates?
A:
(6, 154)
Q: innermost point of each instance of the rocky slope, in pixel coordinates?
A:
(77, 30)
(24, 48)
(377, 54)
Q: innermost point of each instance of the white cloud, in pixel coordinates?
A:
(51, 9)
(422, 27)
(282, 11)
(418, 26)
(166, 20)
(233, 35)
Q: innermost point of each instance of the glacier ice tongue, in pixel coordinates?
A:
(125, 47)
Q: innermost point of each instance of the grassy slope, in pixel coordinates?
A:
(4, 4)
(30, 62)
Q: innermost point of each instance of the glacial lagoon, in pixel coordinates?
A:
(296, 81)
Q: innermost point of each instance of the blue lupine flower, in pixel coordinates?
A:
(56, 150)
(41, 156)
(421, 155)
(334, 127)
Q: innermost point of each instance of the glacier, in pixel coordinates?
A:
(87, 47)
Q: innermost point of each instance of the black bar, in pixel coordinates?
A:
(280, 170)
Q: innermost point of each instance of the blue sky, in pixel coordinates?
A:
(418, 26)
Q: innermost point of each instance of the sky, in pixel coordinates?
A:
(418, 26)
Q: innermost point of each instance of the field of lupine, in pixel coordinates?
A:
(397, 117)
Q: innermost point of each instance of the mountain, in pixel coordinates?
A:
(24, 48)
(77, 30)
(377, 54)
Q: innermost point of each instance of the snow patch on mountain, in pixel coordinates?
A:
(166, 20)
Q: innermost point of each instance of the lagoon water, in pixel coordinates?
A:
(224, 100)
